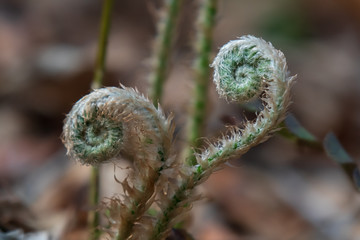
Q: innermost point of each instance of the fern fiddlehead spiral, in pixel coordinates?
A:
(244, 69)
(92, 133)
(258, 66)
(112, 122)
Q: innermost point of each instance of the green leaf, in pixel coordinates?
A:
(298, 130)
(335, 150)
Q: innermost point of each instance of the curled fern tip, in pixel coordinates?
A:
(244, 66)
(92, 132)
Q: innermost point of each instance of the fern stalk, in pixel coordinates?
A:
(205, 26)
(162, 48)
(245, 69)
(102, 43)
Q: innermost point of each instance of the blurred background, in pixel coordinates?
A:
(282, 189)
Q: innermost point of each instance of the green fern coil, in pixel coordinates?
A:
(244, 69)
(93, 133)
(115, 121)
(244, 66)
(112, 122)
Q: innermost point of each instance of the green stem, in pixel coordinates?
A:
(163, 42)
(137, 209)
(206, 24)
(180, 200)
(163, 222)
(102, 43)
(93, 216)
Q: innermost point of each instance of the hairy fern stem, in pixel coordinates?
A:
(162, 48)
(257, 64)
(205, 26)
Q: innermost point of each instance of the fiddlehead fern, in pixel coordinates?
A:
(240, 67)
(110, 122)
(243, 70)
(93, 134)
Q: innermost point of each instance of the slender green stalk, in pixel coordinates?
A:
(205, 26)
(102, 43)
(93, 216)
(162, 227)
(162, 48)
